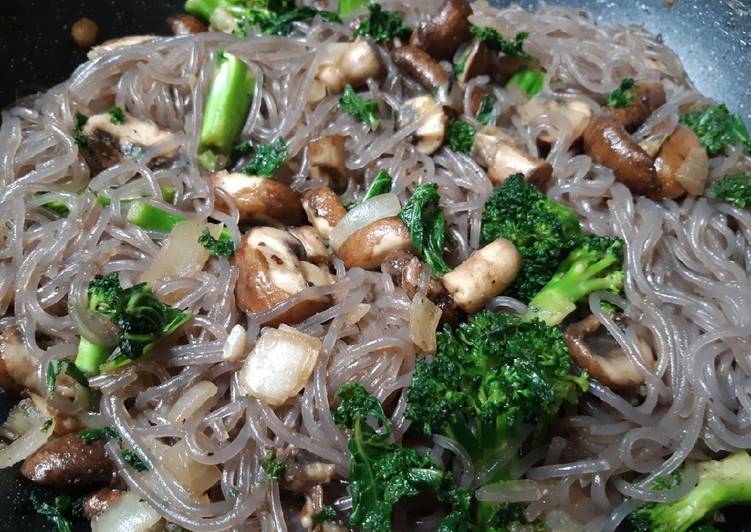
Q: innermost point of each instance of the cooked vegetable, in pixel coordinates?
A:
(134, 460)
(168, 195)
(380, 185)
(460, 136)
(127, 514)
(427, 227)
(141, 319)
(219, 247)
(368, 211)
(327, 514)
(491, 375)
(530, 80)
(721, 483)
(58, 207)
(346, 7)
(498, 42)
(117, 115)
(542, 230)
(267, 158)
(485, 112)
(274, 468)
(623, 96)
(151, 218)
(381, 474)
(60, 512)
(78, 134)
(735, 189)
(368, 247)
(503, 157)
(382, 25)
(89, 436)
(58, 367)
(226, 109)
(365, 111)
(717, 128)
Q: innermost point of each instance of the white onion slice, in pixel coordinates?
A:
(190, 401)
(181, 255)
(424, 316)
(26, 445)
(194, 476)
(128, 514)
(369, 211)
(692, 175)
(510, 491)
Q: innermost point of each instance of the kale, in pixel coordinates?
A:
(134, 460)
(623, 96)
(734, 189)
(78, 134)
(382, 25)
(427, 227)
(717, 128)
(117, 115)
(57, 367)
(219, 247)
(60, 512)
(363, 110)
(89, 436)
(327, 514)
(380, 185)
(498, 42)
(267, 158)
(273, 467)
(460, 136)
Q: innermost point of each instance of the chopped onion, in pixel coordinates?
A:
(366, 213)
(510, 491)
(356, 314)
(190, 401)
(279, 365)
(128, 514)
(236, 345)
(692, 175)
(194, 476)
(22, 417)
(424, 316)
(26, 445)
(181, 255)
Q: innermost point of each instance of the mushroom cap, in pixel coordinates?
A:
(421, 66)
(261, 199)
(648, 96)
(327, 157)
(682, 159)
(324, 209)
(447, 30)
(368, 247)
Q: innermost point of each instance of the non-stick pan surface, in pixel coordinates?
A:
(712, 37)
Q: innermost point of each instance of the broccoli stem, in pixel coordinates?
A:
(168, 195)
(152, 218)
(90, 356)
(202, 8)
(346, 7)
(226, 109)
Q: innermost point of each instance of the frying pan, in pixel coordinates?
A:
(712, 37)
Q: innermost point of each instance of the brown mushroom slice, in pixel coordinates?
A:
(431, 132)
(613, 368)
(271, 271)
(648, 96)
(324, 209)
(445, 32)
(349, 63)
(99, 501)
(17, 364)
(682, 165)
(184, 24)
(576, 112)
(421, 66)
(476, 60)
(121, 42)
(315, 249)
(484, 275)
(302, 470)
(107, 143)
(261, 200)
(313, 505)
(68, 461)
(608, 143)
(368, 247)
(327, 160)
(499, 153)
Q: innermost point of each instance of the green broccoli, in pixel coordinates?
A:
(717, 128)
(382, 473)
(382, 25)
(623, 96)
(543, 231)
(490, 376)
(460, 136)
(267, 158)
(735, 189)
(498, 42)
(721, 483)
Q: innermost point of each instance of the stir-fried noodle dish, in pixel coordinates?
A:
(387, 266)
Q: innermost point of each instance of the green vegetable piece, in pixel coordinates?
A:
(543, 231)
(267, 159)
(357, 403)
(381, 185)
(717, 128)
(202, 8)
(623, 96)
(219, 247)
(498, 42)
(90, 356)
(58, 207)
(485, 112)
(60, 512)
(168, 195)
(57, 367)
(46, 425)
(152, 218)
(427, 227)
(365, 111)
(117, 115)
(134, 460)
(89, 436)
(721, 483)
(283, 24)
(327, 514)
(735, 189)
(382, 25)
(78, 134)
(530, 80)
(347, 7)
(227, 107)
(460, 136)
(273, 468)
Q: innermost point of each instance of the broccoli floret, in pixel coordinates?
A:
(509, 517)
(721, 483)
(543, 231)
(735, 189)
(596, 264)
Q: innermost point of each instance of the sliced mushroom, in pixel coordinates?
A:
(121, 42)
(302, 471)
(261, 200)
(315, 249)
(476, 60)
(107, 143)
(99, 501)
(368, 247)
(484, 275)
(353, 64)
(431, 132)
(446, 31)
(682, 165)
(184, 24)
(67, 461)
(17, 364)
(613, 368)
(648, 96)
(272, 270)
(421, 66)
(499, 153)
(576, 112)
(324, 209)
(327, 160)
(608, 143)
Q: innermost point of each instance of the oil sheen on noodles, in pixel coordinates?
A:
(684, 279)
